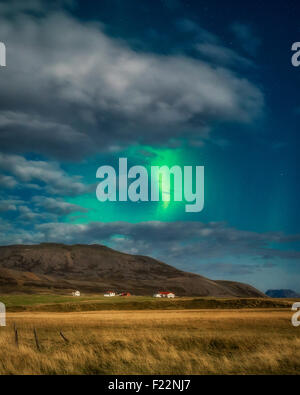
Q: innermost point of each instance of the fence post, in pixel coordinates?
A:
(64, 337)
(36, 340)
(16, 335)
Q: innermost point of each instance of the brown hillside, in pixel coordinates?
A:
(96, 268)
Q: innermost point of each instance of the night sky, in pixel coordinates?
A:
(164, 82)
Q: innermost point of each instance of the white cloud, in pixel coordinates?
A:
(7, 181)
(50, 174)
(177, 241)
(56, 206)
(219, 54)
(69, 90)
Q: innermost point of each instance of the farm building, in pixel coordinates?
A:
(164, 295)
(124, 294)
(109, 294)
(76, 293)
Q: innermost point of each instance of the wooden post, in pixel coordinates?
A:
(36, 340)
(16, 335)
(64, 337)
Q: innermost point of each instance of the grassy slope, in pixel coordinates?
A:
(57, 303)
(156, 342)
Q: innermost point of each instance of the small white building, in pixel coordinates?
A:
(164, 295)
(109, 294)
(76, 293)
(171, 295)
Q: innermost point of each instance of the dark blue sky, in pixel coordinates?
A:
(160, 82)
(267, 152)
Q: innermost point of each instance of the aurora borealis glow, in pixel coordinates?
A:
(166, 83)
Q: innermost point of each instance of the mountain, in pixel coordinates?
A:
(96, 268)
(282, 293)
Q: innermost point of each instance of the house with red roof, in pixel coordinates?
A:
(163, 294)
(110, 293)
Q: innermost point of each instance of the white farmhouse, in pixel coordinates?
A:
(76, 293)
(109, 294)
(164, 295)
(157, 295)
(171, 295)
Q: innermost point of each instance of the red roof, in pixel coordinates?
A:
(165, 293)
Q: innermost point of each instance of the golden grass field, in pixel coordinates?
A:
(248, 341)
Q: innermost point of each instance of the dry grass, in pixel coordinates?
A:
(152, 342)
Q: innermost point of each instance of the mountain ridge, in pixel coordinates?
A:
(95, 268)
(282, 293)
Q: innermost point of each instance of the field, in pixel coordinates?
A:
(63, 303)
(189, 341)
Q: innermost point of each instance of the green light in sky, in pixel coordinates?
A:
(163, 157)
(166, 209)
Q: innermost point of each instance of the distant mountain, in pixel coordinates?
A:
(282, 293)
(96, 268)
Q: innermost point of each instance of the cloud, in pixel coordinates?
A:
(188, 26)
(56, 206)
(210, 47)
(53, 179)
(222, 55)
(214, 249)
(27, 133)
(246, 37)
(9, 9)
(69, 90)
(10, 204)
(38, 209)
(179, 243)
(10, 234)
(27, 215)
(7, 181)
